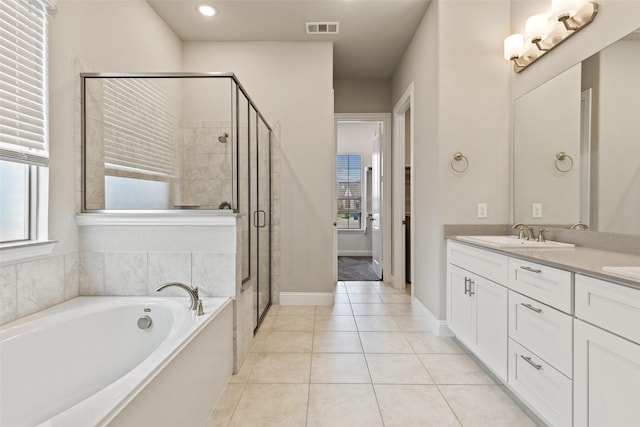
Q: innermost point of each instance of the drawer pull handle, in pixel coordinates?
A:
(530, 307)
(467, 282)
(531, 362)
(471, 283)
(533, 270)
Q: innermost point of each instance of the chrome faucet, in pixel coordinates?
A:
(522, 228)
(578, 226)
(196, 302)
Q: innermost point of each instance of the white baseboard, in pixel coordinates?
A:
(345, 252)
(437, 326)
(306, 298)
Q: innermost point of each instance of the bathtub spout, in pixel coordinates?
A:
(196, 302)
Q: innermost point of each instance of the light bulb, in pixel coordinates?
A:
(535, 27)
(206, 10)
(513, 46)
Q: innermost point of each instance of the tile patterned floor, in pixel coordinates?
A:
(368, 360)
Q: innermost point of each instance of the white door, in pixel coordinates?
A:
(376, 204)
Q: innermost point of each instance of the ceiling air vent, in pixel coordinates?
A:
(323, 27)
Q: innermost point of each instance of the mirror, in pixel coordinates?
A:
(576, 147)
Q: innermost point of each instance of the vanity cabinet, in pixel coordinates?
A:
(477, 306)
(606, 354)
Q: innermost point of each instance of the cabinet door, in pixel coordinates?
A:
(461, 313)
(606, 378)
(491, 302)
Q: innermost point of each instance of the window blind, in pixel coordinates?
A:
(23, 81)
(349, 187)
(139, 127)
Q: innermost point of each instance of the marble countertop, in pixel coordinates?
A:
(578, 259)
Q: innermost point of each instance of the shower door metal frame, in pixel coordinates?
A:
(234, 172)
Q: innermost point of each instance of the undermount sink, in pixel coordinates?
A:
(629, 272)
(513, 242)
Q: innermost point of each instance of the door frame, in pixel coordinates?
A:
(385, 142)
(404, 104)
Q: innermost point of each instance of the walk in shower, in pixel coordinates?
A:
(189, 143)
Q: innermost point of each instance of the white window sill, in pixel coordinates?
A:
(14, 252)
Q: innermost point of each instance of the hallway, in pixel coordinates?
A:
(365, 361)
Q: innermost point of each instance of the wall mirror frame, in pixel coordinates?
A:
(576, 144)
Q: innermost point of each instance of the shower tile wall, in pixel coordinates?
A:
(206, 174)
(28, 287)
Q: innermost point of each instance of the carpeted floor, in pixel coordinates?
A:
(356, 268)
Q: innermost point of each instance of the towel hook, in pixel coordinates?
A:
(560, 157)
(459, 157)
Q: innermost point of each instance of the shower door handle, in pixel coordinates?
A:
(256, 219)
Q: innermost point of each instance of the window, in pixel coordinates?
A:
(349, 191)
(24, 152)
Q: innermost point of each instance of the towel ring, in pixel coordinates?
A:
(459, 157)
(560, 157)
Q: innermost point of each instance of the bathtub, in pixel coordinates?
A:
(87, 363)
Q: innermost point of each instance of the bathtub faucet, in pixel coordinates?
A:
(196, 302)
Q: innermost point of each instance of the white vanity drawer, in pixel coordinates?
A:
(615, 308)
(487, 264)
(544, 330)
(541, 386)
(546, 284)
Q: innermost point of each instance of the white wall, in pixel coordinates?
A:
(462, 103)
(108, 36)
(291, 83)
(356, 138)
(362, 96)
(118, 36)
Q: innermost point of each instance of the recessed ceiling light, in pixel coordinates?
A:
(206, 10)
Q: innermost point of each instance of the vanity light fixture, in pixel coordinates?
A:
(206, 10)
(543, 33)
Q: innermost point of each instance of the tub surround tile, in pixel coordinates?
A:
(8, 294)
(168, 267)
(40, 284)
(414, 405)
(125, 273)
(486, 405)
(397, 369)
(71, 275)
(342, 405)
(214, 273)
(92, 273)
(286, 406)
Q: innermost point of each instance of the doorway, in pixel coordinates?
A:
(402, 263)
(361, 204)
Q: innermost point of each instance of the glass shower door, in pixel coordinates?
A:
(263, 162)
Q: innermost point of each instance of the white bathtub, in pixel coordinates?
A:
(87, 363)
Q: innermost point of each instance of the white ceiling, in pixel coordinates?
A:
(373, 33)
